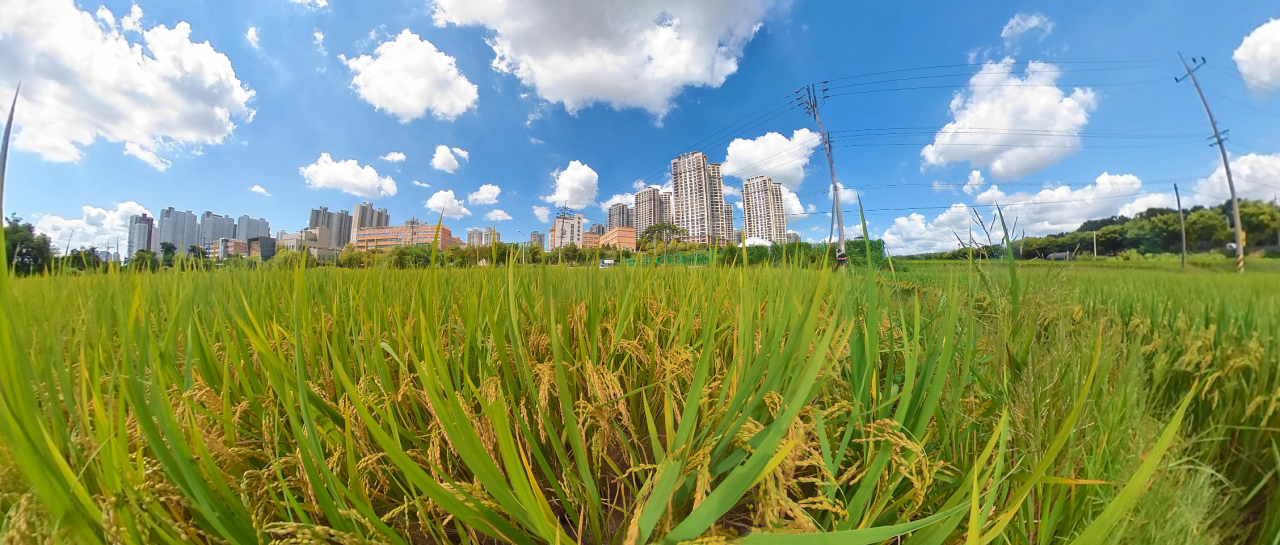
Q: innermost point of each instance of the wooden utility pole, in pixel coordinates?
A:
(1095, 244)
(1226, 162)
(1182, 225)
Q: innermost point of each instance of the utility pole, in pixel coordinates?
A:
(1095, 243)
(1182, 226)
(1226, 162)
(811, 101)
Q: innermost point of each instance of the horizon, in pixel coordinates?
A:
(496, 117)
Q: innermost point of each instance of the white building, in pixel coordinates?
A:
(179, 229)
(364, 216)
(475, 237)
(763, 210)
(699, 199)
(648, 209)
(339, 224)
(142, 229)
(214, 227)
(491, 236)
(247, 228)
(620, 215)
(566, 230)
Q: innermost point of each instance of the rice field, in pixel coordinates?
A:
(931, 404)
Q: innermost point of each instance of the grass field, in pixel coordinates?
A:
(939, 404)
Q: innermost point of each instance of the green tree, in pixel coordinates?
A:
(144, 260)
(1207, 229)
(26, 252)
(1261, 222)
(663, 232)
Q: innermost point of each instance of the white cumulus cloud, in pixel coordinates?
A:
(626, 53)
(543, 213)
(462, 153)
(780, 158)
(319, 41)
(444, 159)
(1062, 208)
(445, 203)
(84, 78)
(348, 177)
(628, 199)
(313, 4)
(975, 183)
(408, 76)
(259, 190)
(497, 215)
(252, 36)
(393, 157)
(576, 186)
(1258, 58)
(1013, 126)
(487, 194)
(99, 227)
(913, 234)
(791, 205)
(1023, 23)
(420, 184)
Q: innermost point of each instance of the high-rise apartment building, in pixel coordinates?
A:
(649, 208)
(491, 236)
(142, 229)
(792, 237)
(596, 229)
(538, 239)
(475, 237)
(178, 228)
(699, 199)
(668, 209)
(364, 216)
(566, 230)
(620, 215)
(339, 224)
(763, 210)
(247, 228)
(214, 227)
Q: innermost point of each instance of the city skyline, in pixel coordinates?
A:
(1058, 115)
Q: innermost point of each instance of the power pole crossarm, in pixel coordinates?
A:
(1226, 161)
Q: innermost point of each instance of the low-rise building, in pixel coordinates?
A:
(224, 247)
(590, 240)
(314, 241)
(412, 233)
(263, 248)
(623, 238)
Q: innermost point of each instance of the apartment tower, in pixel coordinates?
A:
(141, 230)
(699, 199)
(765, 215)
(364, 216)
(620, 215)
(178, 228)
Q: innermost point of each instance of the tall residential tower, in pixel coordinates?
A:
(699, 199)
(762, 207)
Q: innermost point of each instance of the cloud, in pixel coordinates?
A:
(462, 153)
(939, 187)
(319, 41)
(535, 141)
(260, 190)
(1049, 211)
(85, 78)
(628, 199)
(393, 157)
(812, 209)
(1258, 58)
(732, 191)
(1023, 23)
(445, 203)
(625, 53)
(975, 183)
(252, 36)
(847, 196)
(791, 205)
(913, 235)
(98, 227)
(444, 159)
(348, 177)
(408, 76)
(576, 186)
(497, 215)
(420, 184)
(487, 194)
(1256, 177)
(1014, 126)
(312, 4)
(543, 213)
(780, 158)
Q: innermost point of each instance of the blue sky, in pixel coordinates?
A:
(1060, 111)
